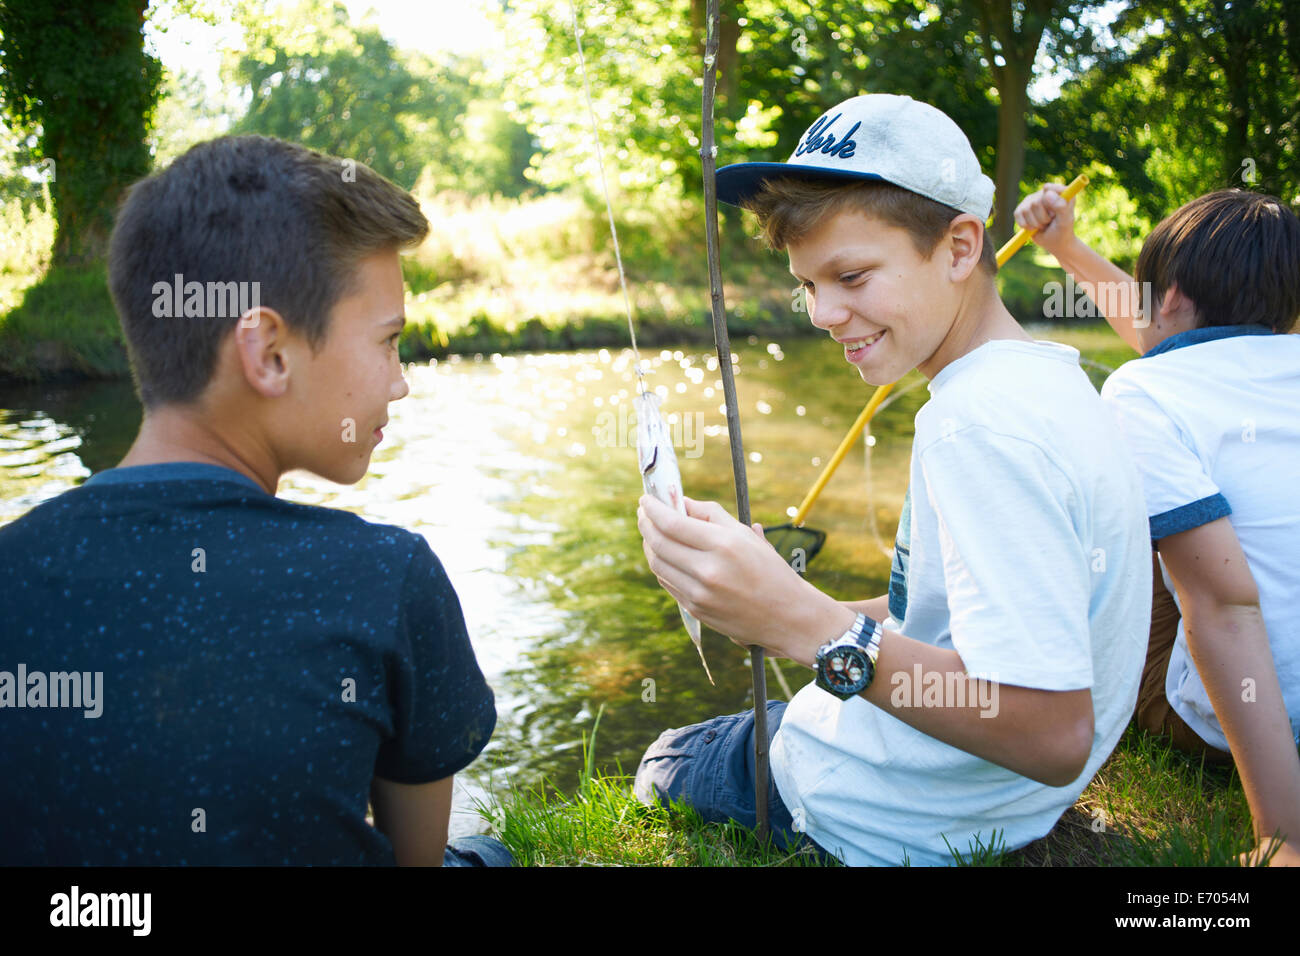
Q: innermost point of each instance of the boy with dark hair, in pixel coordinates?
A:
(974, 702)
(258, 668)
(1211, 411)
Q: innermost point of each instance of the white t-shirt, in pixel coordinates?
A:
(1213, 419)
(1025, 549)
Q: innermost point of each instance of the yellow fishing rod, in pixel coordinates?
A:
(797, 544)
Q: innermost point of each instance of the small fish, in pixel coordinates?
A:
(660, 477)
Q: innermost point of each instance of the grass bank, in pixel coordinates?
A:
(64, 327)
(494, 276)
(1149, 805)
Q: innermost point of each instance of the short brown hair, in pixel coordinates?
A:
(789, 208)
(1234, 253)
(246, 211)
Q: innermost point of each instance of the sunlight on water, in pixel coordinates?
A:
(38, 461)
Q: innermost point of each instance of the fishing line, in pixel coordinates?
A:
(604, 188)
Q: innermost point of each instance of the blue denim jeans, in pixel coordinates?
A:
(711, 767)
(477, 850)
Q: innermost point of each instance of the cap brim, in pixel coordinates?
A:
(740, 181)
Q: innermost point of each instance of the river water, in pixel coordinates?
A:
(520, 470)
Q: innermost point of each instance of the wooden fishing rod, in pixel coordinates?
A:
(708, 162)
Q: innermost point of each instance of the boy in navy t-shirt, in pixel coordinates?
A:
(195, 671)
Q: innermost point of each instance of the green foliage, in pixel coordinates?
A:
(979, 854)
(84, 86)
(643, 84)
(1148, 806)
(780, 66)
(26, 238)
(1235, 68)
(1021, 281)
(1192, 96)
(188, 113)
(19, 178)
(813, 56)
(313, 77)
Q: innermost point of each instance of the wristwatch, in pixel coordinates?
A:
(846, 666)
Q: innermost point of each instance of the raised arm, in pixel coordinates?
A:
(1229, 645)
(1112, 290)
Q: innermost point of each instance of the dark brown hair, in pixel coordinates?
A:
(1234, 253)
(790, 207)
(248, 211)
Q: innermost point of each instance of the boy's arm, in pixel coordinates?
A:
(1111, 289)
(875, 608)
(414, 817)
(443, 714)
(1044, 735)
(1054, 758)
(1229, 645)
(714, 567)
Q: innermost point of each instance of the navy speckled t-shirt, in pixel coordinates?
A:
(261, 661)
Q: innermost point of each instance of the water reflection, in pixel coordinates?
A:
(521, 473)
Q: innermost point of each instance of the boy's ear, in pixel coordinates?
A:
(966, 238)
(262, 344)
(1175, 306)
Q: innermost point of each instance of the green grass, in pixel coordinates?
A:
(1149, 805)
(65, 326)
(603, 824)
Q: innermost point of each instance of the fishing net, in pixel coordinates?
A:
(797, 545)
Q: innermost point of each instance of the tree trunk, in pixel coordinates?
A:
(1234, 49)
(87, 87)
(84, 223)
(1013, 92)
(1018, 50)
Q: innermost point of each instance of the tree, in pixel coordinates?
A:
(644, 73)
(1219, 85)
(315, 79)
(781, 65)
(84, 86)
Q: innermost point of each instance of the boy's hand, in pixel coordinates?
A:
(733, 580)
(1051, 215)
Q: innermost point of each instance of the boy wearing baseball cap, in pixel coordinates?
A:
(970, 705)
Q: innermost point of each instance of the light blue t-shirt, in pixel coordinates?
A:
(1026, 552)
(1212, 416)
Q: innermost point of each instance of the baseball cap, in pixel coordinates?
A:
(879, 136)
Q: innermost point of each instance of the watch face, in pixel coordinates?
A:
(846, 670)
